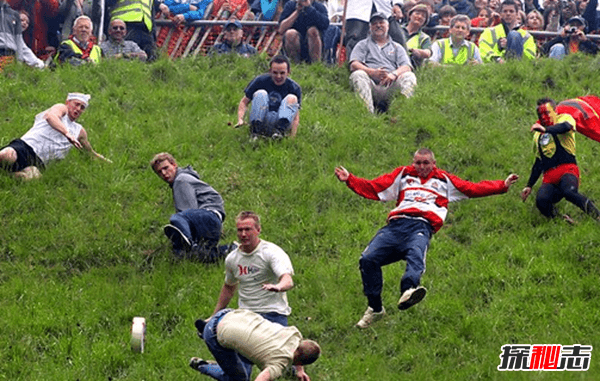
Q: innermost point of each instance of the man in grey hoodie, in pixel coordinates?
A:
(196, 226)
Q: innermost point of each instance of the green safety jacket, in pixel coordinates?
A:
(134, 11)
(488, 43)
(465, 53)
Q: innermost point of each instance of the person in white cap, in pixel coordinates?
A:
(54, 132)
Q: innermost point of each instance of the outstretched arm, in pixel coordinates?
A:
(83, 140)
(242, 107)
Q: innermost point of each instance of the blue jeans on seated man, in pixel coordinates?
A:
(238, 367)
(557, 51)
(514, 44)
(203, 229)
(264, 121)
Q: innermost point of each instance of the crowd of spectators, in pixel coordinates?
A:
(76, 31)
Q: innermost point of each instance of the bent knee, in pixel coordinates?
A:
(8, 155)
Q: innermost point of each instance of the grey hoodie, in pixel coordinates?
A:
(189, 192)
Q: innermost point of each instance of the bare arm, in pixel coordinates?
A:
(83, 140)
(263, 376)
(242, 107)
(295, 124)
(227, 292)
(285, 283)
(54, 118)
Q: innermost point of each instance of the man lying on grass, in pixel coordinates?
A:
(52, 136)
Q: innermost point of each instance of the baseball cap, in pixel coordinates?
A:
(377, 15)
(577, 19)
(234, 23)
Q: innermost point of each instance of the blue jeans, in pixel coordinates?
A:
(514, 44)
(236, 366)
(401, 238)
(202, 227)
(265, 122)
(557, 51)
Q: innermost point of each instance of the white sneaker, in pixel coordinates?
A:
(411, 297)
(370, 317)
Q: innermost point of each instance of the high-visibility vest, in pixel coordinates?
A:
(488, 43)
(95, 54)
(134, 11)
(465, 53)
(416, 41)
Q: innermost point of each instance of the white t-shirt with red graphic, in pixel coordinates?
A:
(266, 264)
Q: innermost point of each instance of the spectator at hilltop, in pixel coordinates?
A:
(446, 13)
(233, 41)
(139, 18)
(507, 39)
(358, 15)
(380, 67)
(302, 24)
(70, 10)
(79, 48)
(184, 11)
(456, 49)
(117, 47)
(40, 36)
(572, 39)
(276, 101)
(12, 44)
(418, 42)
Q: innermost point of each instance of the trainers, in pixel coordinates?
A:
(276, 136)
(197, 362)
(177, 237)
(200, 324)
(370, 317)
(411, 297)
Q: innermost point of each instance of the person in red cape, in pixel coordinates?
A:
(554, 147)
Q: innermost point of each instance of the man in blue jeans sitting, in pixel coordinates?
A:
(195, 228)
(276, 100)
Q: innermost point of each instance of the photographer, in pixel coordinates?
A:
(572, 39)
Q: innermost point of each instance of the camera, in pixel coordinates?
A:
(571, 30)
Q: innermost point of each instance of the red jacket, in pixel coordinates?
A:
(426, 198)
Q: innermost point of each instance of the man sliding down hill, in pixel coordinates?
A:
(53, 134)
(554, 147)
(422, 193)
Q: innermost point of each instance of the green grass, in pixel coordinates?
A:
(82, 250)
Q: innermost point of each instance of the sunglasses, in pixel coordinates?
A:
(118, 28)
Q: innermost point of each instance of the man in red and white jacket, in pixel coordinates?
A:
(422, 193)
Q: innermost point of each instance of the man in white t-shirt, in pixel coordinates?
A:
(260, 271)
(54, 132)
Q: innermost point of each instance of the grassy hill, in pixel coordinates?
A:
(82, 250)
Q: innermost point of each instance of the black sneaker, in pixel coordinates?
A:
(177, 237)
(197, 362)
(200, 324)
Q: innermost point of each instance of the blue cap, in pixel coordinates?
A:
(234, 23)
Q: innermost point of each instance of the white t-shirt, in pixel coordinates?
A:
(48, 143)
(266, 264)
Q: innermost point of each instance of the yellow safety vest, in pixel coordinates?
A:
(416, 41)
(134, 11)
(95, 54)
(464, 55)
(488, 43)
